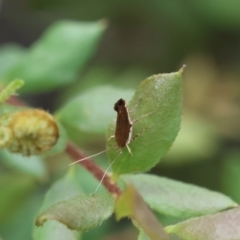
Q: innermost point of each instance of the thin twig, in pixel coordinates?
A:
(92, 167)
(75, 153)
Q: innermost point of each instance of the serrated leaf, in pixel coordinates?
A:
(89, 112)
(219, 226)
(159, 99)
(130, 204)
(178, 199)
(33, 166)
(55, 59)
(80, 213)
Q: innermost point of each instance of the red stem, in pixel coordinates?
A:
(76, 154)
(92, 167)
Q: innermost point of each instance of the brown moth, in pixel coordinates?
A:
(123, 130)
(123, 134)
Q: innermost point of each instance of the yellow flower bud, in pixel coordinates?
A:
(6, 136)
(34, 131)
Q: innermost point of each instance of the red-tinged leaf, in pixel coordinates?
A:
(130, 204)
(219, 226)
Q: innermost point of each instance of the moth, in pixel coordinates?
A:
(123, 133)
(123, 130)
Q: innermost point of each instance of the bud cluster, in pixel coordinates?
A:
(28, 132)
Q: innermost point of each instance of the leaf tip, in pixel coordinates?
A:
(40, 220)
(104, 22)
(19, 82)
(182, 68)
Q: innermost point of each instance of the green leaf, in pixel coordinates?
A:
(33, 166)
(10, 55)
(231, 174)
(219, 13)
(80, 213)
(185, 150)
(130, 204)
(55, 59)
(10, 89)
(220, 226)
(15, 190)
(178, 199)
(85, 178)
(103, 74)
(87, 114)
(22, 220)
(63, 189)
(55, 231)
(7, 109)
(157, 105)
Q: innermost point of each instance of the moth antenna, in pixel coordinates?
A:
(143, 116)
(129, 150)
(106, 172)
(82, 159)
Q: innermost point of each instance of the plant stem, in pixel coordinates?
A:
(92, 167)
(75, 153)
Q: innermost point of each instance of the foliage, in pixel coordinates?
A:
(67, 206)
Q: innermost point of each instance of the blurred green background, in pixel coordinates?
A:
(142, 38)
